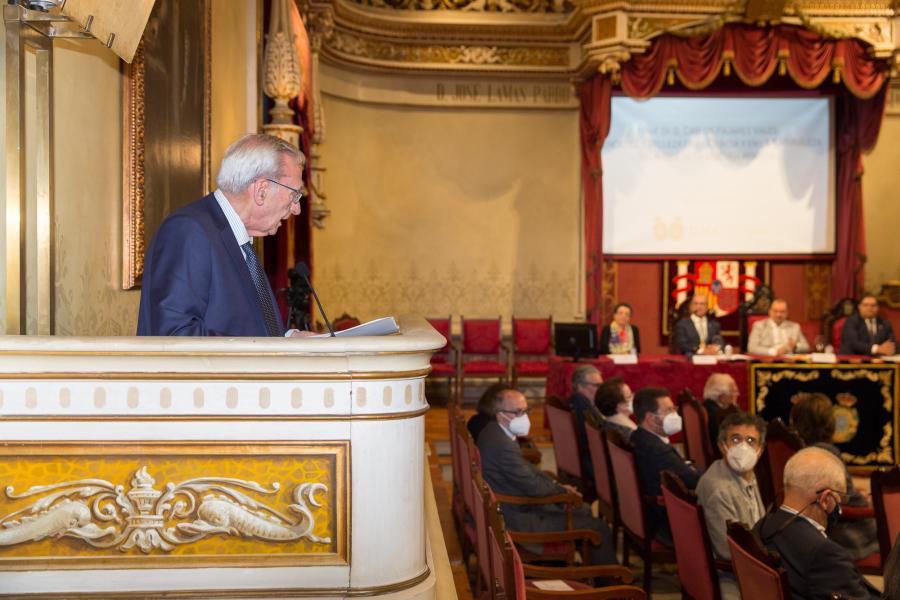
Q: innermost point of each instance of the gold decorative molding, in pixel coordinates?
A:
(890, 294)
(209, 511)
(507, 6)
(817, 276)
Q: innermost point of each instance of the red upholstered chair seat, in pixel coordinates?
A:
(837, 332)
(532, 368)
(484, 367)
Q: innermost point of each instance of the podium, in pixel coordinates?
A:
(204, 467)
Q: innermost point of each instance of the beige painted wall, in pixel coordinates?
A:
(441, 211)
(881, 203)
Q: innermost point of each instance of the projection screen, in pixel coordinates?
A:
(719, 176)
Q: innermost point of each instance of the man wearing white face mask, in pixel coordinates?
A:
(507, 472)
(657, 419)
(728, 490)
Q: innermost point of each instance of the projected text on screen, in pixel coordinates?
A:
(716, 176)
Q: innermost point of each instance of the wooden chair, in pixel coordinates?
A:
(693, 548)
(532, 339)
(781, 444)
(565, 445)
(345, 321)
(758, 571)
(513, 579)
(481, 353)
(753, 310)
(604, 482)
(468, 453)
(886, 500)
(697, 445)
(633, 509)
(443, 365)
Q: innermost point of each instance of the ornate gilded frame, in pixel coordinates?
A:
(134, 230)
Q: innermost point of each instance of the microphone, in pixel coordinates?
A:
(303, 271)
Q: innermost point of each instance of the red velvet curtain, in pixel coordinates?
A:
(595, 120)
(754, 54)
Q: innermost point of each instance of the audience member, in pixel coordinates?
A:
(816, 566)
(485, 410)
(657, 419)
(720, 396)
(866, 333)
(813, 417)
(615, 402)
(620, 336)
(585, 381)
(507, 472)
(728, 490)
(776, 336)
(698, 333)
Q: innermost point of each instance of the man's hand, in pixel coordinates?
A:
(711, 349)
(887, 348)
(572, 489)
(789, 347)
(298, 333)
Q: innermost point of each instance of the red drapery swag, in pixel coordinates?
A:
(754, 54)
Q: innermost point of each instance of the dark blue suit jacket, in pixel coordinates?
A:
(687, 340)
(196, 280)
(855, 338)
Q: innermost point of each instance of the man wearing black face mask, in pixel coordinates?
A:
(814, 485)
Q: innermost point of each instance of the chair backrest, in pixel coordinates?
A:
(532, 336)
(758, 571)
(603, 476)
(886, 501)
(837, 333)
(754, 309)
(502, 553)
(565, 439)
(482, 506)
(442, 326)
(455, 458)
(481, 336)
(697, 445)
(344, 321)
(467, 457)
(781, 444)
(833, 320)
(628, 487)
(693, 550)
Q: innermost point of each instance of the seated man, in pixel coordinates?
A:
(585, 381)
(817, 567)
(507, 472)
(657, 419)
(615, 402)
(728, 490)
(720, 396)
(485, 410)
(697, 333)
(776, 336)
(866, 333)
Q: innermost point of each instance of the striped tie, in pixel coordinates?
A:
(262, 288)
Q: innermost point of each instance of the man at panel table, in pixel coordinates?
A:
(866, 333)
(697, 333)
(776, 336)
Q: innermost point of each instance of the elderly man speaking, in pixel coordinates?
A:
(201, 275)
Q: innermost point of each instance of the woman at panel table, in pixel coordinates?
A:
(620, 336)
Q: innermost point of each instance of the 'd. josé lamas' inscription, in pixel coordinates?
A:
(496, 93)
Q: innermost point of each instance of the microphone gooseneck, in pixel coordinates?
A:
(303, 271)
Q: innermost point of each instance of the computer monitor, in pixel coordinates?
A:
(576, 340)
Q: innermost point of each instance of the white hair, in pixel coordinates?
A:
(252, 157)
(812, 469)
(580, 375)
(717, 386)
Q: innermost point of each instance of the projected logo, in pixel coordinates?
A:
(726, 283)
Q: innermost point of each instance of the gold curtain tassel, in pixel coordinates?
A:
(782, 67)
(670, 76)
(836, 76)
(726, 68)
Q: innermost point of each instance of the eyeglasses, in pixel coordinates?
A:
(296, 197)
(737, 438)
(517, 413)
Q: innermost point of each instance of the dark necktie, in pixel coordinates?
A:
(262, 288)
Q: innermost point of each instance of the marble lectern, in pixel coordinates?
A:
(214, 467)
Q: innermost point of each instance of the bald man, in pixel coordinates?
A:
(814, 487)
(777, 336)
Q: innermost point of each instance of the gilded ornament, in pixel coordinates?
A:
(511, 6)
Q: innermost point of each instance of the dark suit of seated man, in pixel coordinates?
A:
(507, 472)
(657, 419)
(586, 379)
(817, 567)
(866, 333)
(697, 333)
